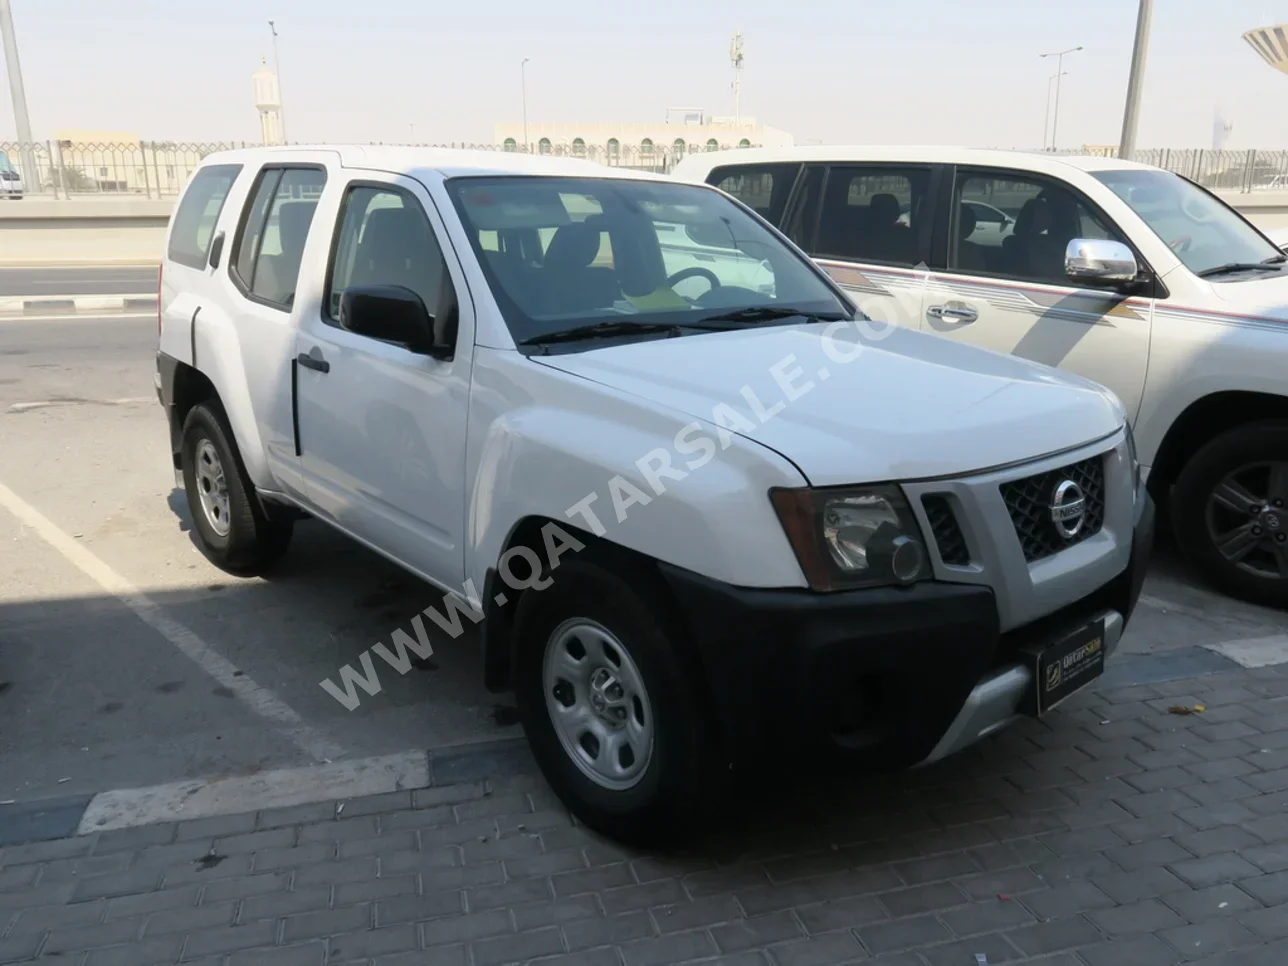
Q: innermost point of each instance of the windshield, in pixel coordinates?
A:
(1204, 232)
(563, 253)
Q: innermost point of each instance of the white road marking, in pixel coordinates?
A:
(23, 407)
(1255, 652)
(260, 700)
(183, 801)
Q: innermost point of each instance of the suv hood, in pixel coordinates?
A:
(906, 406)
(1261, 296)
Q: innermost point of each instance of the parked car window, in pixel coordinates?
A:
(385, 238)
(198, 213)
(1202, 231)
(763, 188)
(1018, 227)
(801, 224)
(246, 245)
(605, 259)
(872, 214)
(281, 245)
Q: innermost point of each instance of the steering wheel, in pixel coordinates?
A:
(1181, 244)
(695, 272)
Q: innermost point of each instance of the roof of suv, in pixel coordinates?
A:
(448, 162)
(702, 162)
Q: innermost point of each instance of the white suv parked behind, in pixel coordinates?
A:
(703, 514)
(1129, 275)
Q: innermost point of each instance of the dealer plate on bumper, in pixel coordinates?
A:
(1065, 667)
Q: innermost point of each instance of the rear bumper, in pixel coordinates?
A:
(897, 676)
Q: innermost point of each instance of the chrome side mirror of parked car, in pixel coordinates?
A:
(1099, 260)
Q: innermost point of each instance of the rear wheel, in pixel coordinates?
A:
(1230, 512)
(232, 529)
(610, 700)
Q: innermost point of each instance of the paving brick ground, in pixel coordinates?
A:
(1113, 834)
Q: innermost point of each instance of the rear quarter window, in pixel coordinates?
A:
(198, 213)
(764, 188)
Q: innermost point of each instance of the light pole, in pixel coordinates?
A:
(1059, 72)
(1131, 114)
(523, 80)
(20, 117)
(1046, 121)
(277, 69)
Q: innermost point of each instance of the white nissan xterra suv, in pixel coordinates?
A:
(704, 511)
(1128, 275)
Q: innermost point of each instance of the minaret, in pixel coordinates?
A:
(268, 101)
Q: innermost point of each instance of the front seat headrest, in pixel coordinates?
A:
(884, 208)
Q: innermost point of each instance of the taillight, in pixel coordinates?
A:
(159, 268)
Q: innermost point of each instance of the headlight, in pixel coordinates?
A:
(852, 536)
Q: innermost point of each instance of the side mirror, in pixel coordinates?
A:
(390, 313)
(1098, 261)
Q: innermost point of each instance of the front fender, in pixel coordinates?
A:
(551, 445)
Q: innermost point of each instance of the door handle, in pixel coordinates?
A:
(953, 312)
(316, 363)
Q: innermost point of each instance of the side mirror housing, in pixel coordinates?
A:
(1099, 261)
(391, 313)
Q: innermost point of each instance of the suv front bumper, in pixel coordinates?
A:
(896, 676)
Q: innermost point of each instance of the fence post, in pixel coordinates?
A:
(1250, 173)
(62, 175)
(143, 163)
(53, 179)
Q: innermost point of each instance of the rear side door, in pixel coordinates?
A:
(382, 427)
(262, 284)
(1001, 285)
(870, 226)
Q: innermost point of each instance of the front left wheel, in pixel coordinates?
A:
(610, 698)
(232, 529)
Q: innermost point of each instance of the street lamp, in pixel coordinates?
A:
(277, 69)
(1059, 72)
(523, 77)
(1132, 112)
(19, 95)
(1046, 121)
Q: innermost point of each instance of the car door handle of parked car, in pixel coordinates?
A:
(316, 363)
(953, 312)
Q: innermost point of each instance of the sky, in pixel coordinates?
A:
(956, 72)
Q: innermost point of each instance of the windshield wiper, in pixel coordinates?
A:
(1232, 267)
(771, 313)
(610, 329)
(1275, 260)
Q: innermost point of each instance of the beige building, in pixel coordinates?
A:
(118, 162)
(641, 144)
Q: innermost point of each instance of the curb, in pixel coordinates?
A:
(60, 818)
(35, 306)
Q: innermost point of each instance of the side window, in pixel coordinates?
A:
(762, 188)
(872, 214)
(1018, 227)
(270, 243)
(385, 239)
(198, 213)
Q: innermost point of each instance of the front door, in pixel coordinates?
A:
(382, 428)
(1003, 285)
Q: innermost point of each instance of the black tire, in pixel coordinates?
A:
(253, 542)
(1227, 453)
(685, 779)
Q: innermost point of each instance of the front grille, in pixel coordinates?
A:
(1029, 503)
(8, 176)
(948, 535)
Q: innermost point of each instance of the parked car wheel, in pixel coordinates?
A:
(232, 529)
(1230, 512)
(609, 697)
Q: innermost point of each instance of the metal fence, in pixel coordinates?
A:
(159, 169)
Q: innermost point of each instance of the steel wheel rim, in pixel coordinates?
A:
(212, 487)
(598, 704)
(1247, 519)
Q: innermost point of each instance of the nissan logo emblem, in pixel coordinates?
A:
(1068, 509)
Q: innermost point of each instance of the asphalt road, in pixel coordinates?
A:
(127, 660)
(88, 280)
